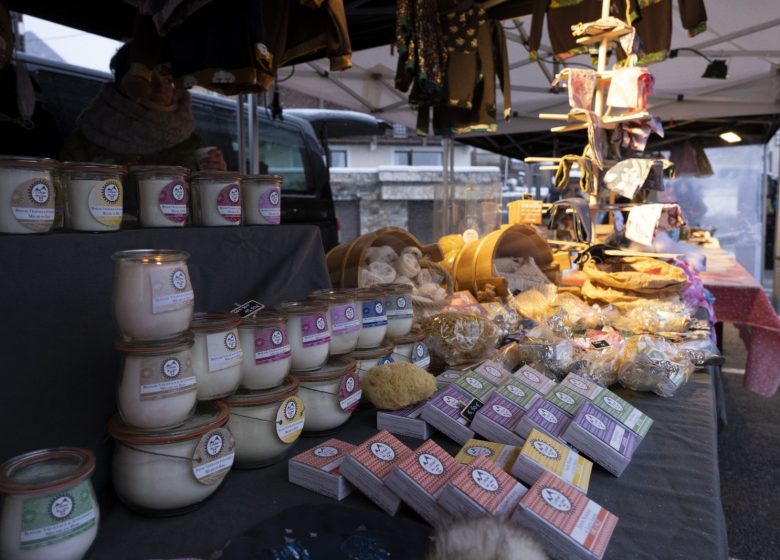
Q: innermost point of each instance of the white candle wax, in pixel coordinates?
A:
(262, 199)
(27, 195)
(216, 198)
(374, 322)
(345, 316)
(308, 330)
(267, 356)
(329, 394)
(217, 354)
(153, 297)
(94, 196)
(163, 194)
(400, 314)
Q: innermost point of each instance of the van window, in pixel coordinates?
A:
(284, 152)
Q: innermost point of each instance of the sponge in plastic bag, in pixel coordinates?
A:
(654, 364)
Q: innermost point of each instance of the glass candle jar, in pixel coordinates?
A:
(216, 354)
(166, 472)
(27, 195)
(374, 317)
(163, 195)
(49, 509)
(153, 296)
(95, 195)
(345, 318)
(216, 198)
(265, 423)
(330, 394)
(308, 329)
(370, 357)
(398, 305)
(157, 385)
(267, 357)
(412, 348)
(262, 195)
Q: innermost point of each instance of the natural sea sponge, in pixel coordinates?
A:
(397, 385)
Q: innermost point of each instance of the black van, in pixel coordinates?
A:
(288, 147)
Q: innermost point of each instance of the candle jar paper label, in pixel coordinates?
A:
(173, 201)
(32, 204)
(166, 376)
(289, 419)
(374, 314)
(269, 205)
(56, 517)
(420, 355)
(171, 288)
(105, 203)
(344, 319)
(350, 392)
(399, 307)
(224, 350)
(314, 330)
(229, 203)
(213, 456)
(271, 345)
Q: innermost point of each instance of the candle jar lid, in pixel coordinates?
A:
(151, 256)
(332, 295)
(367, 294)
(372, 353)
(335, 368)
(263, 179)
(141, 170)
(208, 416)
(89, 167)
(46, 470)
(303, 307)
(28, 162)
(248, 397)
(214, 322)
(155, 347)
(417, 335)
(263, 318)
(397, 289)
(217, 175)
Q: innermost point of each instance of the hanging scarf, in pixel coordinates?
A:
(122, 126)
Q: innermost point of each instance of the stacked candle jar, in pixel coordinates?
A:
(266, 413)
(170, 454)
(329, 385)
(409, 345)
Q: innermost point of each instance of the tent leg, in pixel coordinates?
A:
(254, 136)
(241, 123)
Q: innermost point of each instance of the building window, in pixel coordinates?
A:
(338, 158)
(418, 157)
(399, 131)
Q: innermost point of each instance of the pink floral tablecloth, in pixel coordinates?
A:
(740, 299)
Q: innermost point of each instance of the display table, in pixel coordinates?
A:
(57, 330)
(741, 300)
(668, 500)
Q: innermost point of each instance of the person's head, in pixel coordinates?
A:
(161, 94)
(6, 37)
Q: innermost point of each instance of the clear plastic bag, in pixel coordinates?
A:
(653, 317)
(459, 338)
(600, 356)
(577, 315)
(653, 364)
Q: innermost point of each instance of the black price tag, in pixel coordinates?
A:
(600, 344)
(248, 308)
(471, 409)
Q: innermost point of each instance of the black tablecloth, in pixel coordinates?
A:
(57, 331)
(668, 499)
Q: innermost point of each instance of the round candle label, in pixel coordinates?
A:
(171, 368)
(382, 451)
(515, 390)
(349, 392)
(105, 203)
(171, 288)
(398, 307)
(326, 451)
(229, 203)
(271, 345)
(179, 279)
(289, 419)
(547, 415)
(613, 404)
(420, 355)
(451, 401)
(545, 449)
(485, 480)
(473, 382)
(314, 330)
(479, 451)
(374, 314)
(598, 424)
(52, 518)
(530, 375)
(556, 499)
(564, 397)
(430, 464)
(502, 411)
(344, 319)
(268, 205)
(213, 456)
(172, 201)
(33, 206)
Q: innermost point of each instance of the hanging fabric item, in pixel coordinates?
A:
(422, 54)
(581, 83)
(653, 24)
(563, 172)
(628, 176)
(630, 87)
(690, 160)
(561, 16)
(633, 135)
(597, 139)
(648, 219)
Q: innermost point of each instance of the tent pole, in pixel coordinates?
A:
(241, 127)
(254, 136)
